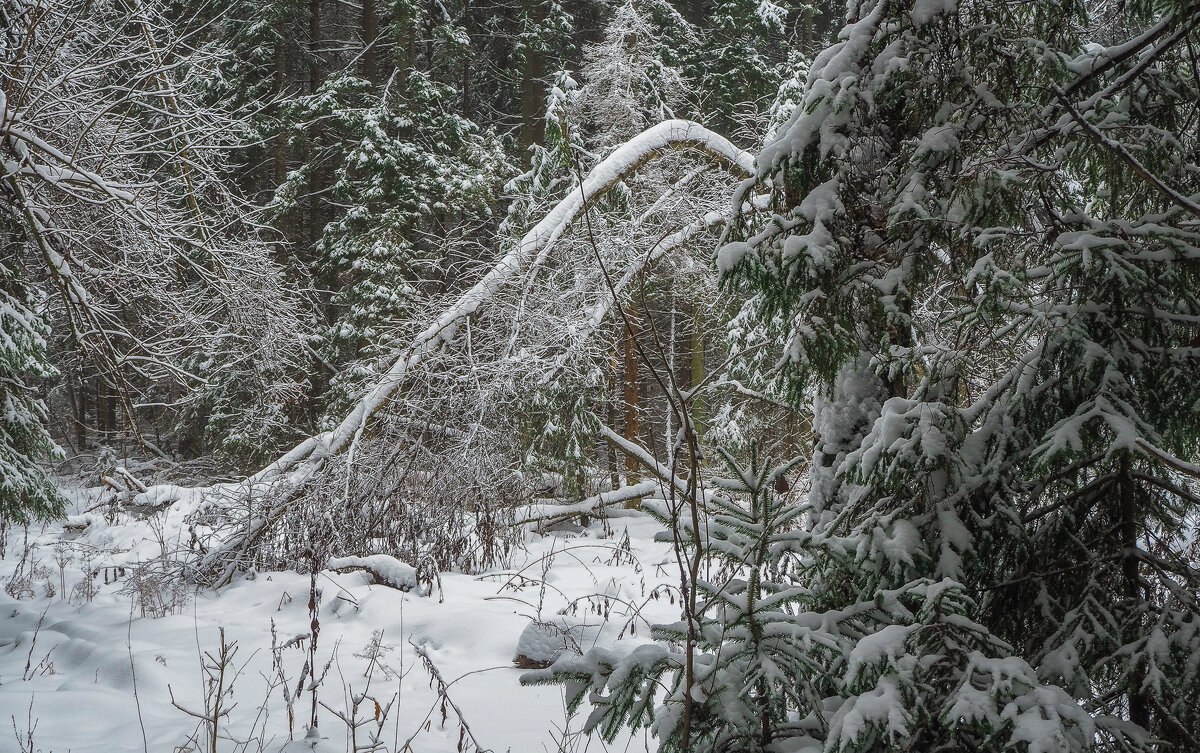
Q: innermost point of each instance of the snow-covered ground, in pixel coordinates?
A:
(95, 676)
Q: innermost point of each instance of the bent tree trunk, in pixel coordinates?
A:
(284, 480)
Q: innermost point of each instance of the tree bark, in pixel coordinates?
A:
(106, 408)
(533, 125)
(1139, 703)
(279, 148)
(465, 85)
(630, 384)
(370, 33)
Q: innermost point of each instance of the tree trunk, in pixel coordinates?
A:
(81, 416)
(370, 34)
(630, 384)
(72, 432)
(317, 185)
(466, 63)
(1139, 704)
(106, 408)
(77, 395)
(613, 415)
(316, 223)
(532, 123)
(279, 148)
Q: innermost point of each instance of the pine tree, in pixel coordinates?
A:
(625, 86)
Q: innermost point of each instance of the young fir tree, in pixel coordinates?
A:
(739, 59)
(553, 164)
(25, 491)
(744, 626)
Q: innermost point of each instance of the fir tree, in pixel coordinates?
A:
(552, 165)
(745, 653)
(980, 267)
(738, 62)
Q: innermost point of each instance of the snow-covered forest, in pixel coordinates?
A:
(600, 375)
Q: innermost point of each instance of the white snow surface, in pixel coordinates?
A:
(71, 666)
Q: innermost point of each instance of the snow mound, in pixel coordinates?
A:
(544, 641)
(387, 571)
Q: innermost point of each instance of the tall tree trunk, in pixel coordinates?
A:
(466, 62)
(614, 415)
(72, 432)
(316, 223)
(370, 34)
(630, 384)
(317, 185)
(279, 151)
(1139, 703)
(106, 408)
(532, 123)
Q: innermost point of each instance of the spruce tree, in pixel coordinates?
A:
(406, 170)
(738, 61)
(745, 653)
(982, 264)
(25, 491)
(980, 269)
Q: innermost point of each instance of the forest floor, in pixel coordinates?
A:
(82, 670)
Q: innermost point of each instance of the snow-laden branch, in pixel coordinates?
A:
(541, 512)
(1180, 465)
(284, 479)
(664, 477)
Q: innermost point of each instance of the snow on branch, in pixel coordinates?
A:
(625, 160)
(598, 313)
(544, 513)
(655, 487)
(1180, 465)
(386, 570)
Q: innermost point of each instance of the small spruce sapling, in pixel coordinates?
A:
(744, 664)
